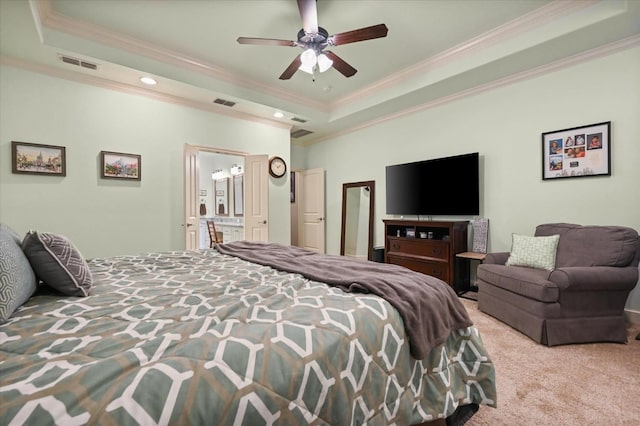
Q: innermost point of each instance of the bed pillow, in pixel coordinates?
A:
(17, 280)
(534, 252)
(57, 262)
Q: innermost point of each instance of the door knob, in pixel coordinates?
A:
(321, 219)
(264, 222)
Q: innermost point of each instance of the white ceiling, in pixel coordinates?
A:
(435, 50)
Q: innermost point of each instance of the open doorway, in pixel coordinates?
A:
(242, 214)
(221, 196)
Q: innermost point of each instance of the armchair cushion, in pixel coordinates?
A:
(529, 282)
(592, 245)
(534, 252)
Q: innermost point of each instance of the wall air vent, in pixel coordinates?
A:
(298, 119)
(78, 62)
(224, 102)
(300, 133)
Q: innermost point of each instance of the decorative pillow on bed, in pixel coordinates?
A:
(17, 280)
(534, 252)
(58, 263)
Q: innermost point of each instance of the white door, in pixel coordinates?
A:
(311, 228)
(256, 198)
(191, 213)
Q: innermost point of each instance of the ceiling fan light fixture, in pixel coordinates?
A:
(324, 63)
(307, 68)
(309, 58)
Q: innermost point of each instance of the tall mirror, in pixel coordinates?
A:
(221, 188)
(357, 219)
(238, 197)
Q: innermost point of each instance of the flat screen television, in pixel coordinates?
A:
(440, 186)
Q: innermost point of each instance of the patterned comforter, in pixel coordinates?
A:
(195, 338)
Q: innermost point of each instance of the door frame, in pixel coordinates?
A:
(199, 149)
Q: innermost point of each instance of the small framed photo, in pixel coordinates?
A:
(118, 165)
(37, 159)
(410, 233)
(577, 152)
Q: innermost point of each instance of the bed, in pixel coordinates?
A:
(209, 337)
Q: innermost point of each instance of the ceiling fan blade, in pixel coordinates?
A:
(291, 69)
(266, 41)
(368, 33)
(340, 65)
(309, 15)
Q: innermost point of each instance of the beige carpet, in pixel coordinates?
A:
(588, 384)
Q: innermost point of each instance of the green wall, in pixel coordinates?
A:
(504, 125)
(106, 217)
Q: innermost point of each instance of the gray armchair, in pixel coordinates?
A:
(581, 300)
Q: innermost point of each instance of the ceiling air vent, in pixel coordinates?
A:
(300, 133)
(89, 65)
(298, 119)
(223, 102)
(78, 62)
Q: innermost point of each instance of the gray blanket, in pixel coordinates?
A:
(429, 307)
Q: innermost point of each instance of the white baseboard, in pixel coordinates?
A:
(632, 316)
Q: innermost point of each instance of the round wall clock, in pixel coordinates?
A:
(277, 167)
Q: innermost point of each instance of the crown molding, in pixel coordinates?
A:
(618, 46)
(540, 16)
(621, 45)
(50, 18)
(503, 33)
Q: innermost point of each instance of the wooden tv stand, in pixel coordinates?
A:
(432, 256)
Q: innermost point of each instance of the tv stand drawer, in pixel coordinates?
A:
(435, 269)
(419, 247)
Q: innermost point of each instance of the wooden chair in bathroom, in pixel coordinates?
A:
(214, 236)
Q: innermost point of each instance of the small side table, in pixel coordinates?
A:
(469, 256)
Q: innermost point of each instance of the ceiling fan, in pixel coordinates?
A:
(314, 39)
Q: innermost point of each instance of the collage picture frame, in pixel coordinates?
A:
(581, 151)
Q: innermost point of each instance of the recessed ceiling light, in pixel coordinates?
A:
(278, 114)
(148, 80)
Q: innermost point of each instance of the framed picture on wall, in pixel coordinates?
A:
(38, 159)
(577, 152)
(118, 165)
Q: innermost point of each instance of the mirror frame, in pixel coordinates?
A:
(372, 190)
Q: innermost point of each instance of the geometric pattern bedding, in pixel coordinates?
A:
(197, 337)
